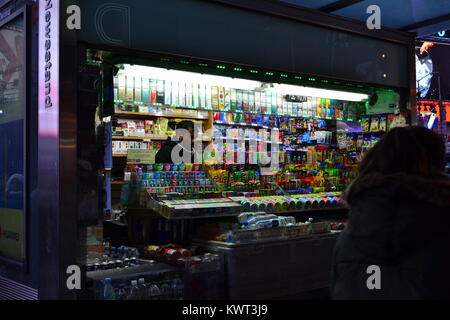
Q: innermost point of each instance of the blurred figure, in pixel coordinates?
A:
(14, 192)
(399, 221)
(164, 155)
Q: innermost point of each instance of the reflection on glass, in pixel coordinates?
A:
(12, 148)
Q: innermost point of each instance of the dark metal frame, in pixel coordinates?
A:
(337, 5)
(306, 15)
(25, 12)
(315, 17)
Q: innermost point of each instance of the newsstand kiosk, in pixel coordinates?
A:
(108, 82)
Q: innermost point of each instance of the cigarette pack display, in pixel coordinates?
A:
(220, 98)
(274, 104)
(294, 108)
(233, 100)
(245, 98)
(175, 101)
(168, 92)
(189, 95)
(208, 91)
(215, 97)
(182, 94)
(145, 90)
(153, 91)
(227, 99)
(130, 89)
(202, 96)
(138, 89)
(285, 107)
(122, 83)
(257, 101)
(239, 100)
(195, 96)
(251, 101)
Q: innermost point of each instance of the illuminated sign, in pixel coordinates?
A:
(428, 107)
(48, 66)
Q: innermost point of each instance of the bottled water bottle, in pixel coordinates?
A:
(153, 292)
(143, 292)
(134, 291)
(121, 292)
(108, 290)
(178, 289)
(165, 291)
(286, 221)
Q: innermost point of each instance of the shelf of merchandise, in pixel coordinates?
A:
(159, 138)
(119, 182)
(246, 139)
(158, 114)
(316, 117)
(230, 123)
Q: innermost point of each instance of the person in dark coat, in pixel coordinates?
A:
(396, 244)
(164, 155)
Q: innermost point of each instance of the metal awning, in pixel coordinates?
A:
(422, 16)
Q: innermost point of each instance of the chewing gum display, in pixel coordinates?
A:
(130, 89)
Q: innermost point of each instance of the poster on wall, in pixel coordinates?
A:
(12, 139)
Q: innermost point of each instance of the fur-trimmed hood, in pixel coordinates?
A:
(435, 190)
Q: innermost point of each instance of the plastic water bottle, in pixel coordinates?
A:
(178, 289)
(108, 290)
(121, 292)
(267, 223)
(286, 221)
(153, 292)
(255, 219)
(165, 290)
(134, 291)
(143, 292)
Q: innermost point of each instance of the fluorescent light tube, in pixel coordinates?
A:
(236, 83)
(318, 92)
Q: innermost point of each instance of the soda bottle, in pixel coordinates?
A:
(153, 292)
(165, 291)
(178, 289)
(143, 291)
(108, 290)
(121, 293)
(134, 291)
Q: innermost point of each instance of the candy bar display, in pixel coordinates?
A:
(138, 128)
(168, 181)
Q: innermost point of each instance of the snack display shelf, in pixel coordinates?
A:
(192, 114)
(153, 137)
(119, 182)
(230, 123)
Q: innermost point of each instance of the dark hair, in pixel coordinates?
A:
(412, 150)
(185, 124)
